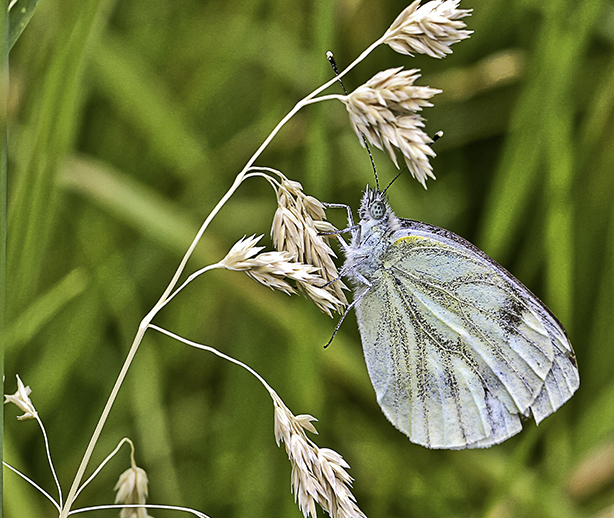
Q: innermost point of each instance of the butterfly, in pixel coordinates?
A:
(458, 350)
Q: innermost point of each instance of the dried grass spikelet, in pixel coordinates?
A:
(21, 398)
(273, 268)
(428, 29)
(385, 110)
(132, 489)
(297, 226)
(319, 475)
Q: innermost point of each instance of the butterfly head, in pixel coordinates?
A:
(376, 212)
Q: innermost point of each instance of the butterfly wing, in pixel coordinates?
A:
(457, 348)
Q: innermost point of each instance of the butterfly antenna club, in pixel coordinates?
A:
(333, 64)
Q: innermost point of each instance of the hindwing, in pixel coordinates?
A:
(456, 347)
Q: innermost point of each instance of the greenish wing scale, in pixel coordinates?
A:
(457, 349)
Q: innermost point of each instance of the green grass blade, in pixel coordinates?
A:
(35, 204)
(44, 309)
(4, 90)
(19, 16)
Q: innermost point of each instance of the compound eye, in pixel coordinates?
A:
(377, 210)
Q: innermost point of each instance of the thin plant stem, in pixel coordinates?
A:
(103, 463)
(33, 484)
(55, 477)
(189, 280)
(217, 353)
(105, 413)
(330, 97)
(140, 506)
(309, 99)
(268, 170)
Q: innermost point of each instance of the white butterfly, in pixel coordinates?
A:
(458, 350)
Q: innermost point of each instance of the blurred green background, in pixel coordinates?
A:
(128, 122)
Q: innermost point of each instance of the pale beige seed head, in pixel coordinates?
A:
(272, 269)
(240, 256)
(269, 268)
(324, 298)
(319, 475)
(428, 29)
(132, 489)
(21, 398)
(385, 110)
(297, 226)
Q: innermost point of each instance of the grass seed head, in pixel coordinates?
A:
(428, 29)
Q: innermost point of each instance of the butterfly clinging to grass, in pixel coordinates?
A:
(458, 350)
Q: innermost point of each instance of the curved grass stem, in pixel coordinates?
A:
(168, 292)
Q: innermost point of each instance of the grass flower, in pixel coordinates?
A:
(132, 489)
(319, 475)
(428, 29)
(273, 268)
(22, 400)
(385, 110)
(297, 228)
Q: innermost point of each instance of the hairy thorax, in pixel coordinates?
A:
(364, 255)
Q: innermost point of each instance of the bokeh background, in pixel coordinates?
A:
(129, 121)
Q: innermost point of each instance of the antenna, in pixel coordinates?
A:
(333, 63)
(435, 138)
(392, 181)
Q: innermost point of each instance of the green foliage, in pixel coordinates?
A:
(127, 123)
(20, 15)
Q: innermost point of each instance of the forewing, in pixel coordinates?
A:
(456, 348)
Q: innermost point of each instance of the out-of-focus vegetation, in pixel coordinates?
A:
(128, 122)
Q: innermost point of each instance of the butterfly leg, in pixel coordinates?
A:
(342, 242)
(350, 228)
(342, 206)
(348, 309)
